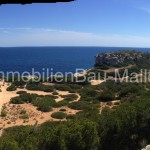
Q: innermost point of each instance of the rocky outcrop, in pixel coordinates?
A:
(118, 57)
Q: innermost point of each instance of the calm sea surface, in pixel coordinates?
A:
(63, 59)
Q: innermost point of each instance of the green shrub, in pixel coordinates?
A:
(19, 82)
(62, 87)
(44, 104)
(21, 92)
(130, 89)
(3, 113)
(55, 93)
(80, 105)
(16, 100)
(32, 86)
(51, 96)
(88, 99)
(60, 104)
(63, 96)
(70, 117)
(106, 96)
(44, 107)
(11, 88)
(28, 98)
(105, 110)
(23, 98)
(58, 115)
(39, 87)
(45, 88)
(88, 93)
(114, 107)
(71, 97)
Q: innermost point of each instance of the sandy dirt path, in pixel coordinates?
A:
(5, 96)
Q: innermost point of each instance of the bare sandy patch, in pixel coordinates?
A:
(5, 95)
(31, 117)
(97, 82)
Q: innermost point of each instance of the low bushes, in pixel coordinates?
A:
(75, 88)
(58, 115)
(32, 86)
(21, 92)
(92, 112)
(16, 100)
(11, 88)
(71, 135)
(106, 96)
(60, 104)
(70, 117)
(44, 104)
(128, 90)
(62, 87)
(3, 113)
(80, 105)
(17, 81)
(71, 97)
(23, 98)
(79, 80)
(39, 87)
(20, 82)
(51, 96)
(55, 93)
(46, 88)
(88, 94)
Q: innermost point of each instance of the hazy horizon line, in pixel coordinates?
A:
(72, 46)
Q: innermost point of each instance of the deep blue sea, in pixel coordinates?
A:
(63, 59)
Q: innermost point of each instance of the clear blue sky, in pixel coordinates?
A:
(79, 23)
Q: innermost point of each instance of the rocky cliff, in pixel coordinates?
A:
(119, 57)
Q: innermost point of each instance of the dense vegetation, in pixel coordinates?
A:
(59, 115)
(52, 135)
(125, 126)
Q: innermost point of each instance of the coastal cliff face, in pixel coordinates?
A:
(119, 57)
